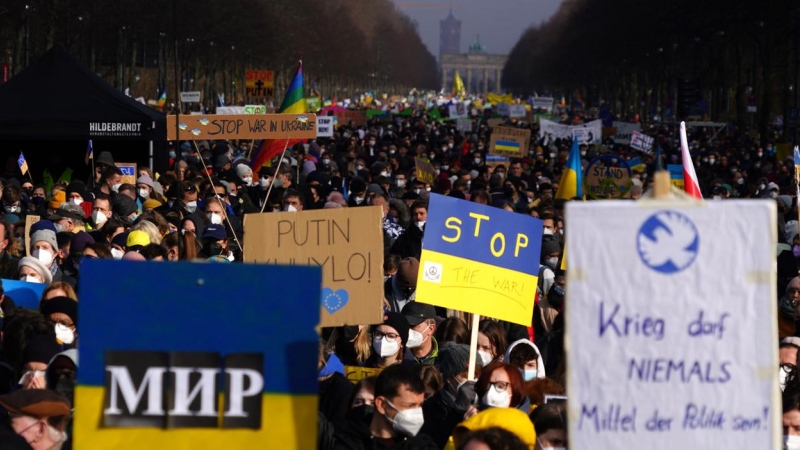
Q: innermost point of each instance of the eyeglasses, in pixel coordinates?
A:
(381, 335)
(500, 386)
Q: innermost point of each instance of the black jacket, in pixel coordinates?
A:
(360, 438)
(409, 244)
(333, 395)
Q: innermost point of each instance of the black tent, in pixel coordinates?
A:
(58, 98)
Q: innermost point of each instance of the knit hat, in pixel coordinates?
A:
(41, 349)
(105, 158)
(57, 199)
(79, 242)
(453, 359)
(123, 206)
(242, 170)
(407, 273)
(137, 237)
(151, 203)
(509, 419)
(45, 236)
(40, 404)
(399, 323)
(145, 179)
(64, 305)
(133, 256)
(550, 246)
(79, 188)
(36, 265)
(221, 161)
(42, 225)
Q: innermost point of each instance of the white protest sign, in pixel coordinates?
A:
(325, 126)
(457, 111)
(582, 135)
(503, 109)
(545, 103)
(190, 97)
(642, 142)
(550, 131)
(517, 111)
(624, 132)
(672, 325)
(464, 125)
(229, 110)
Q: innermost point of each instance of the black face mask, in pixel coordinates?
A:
(362, 414)
(66, 388)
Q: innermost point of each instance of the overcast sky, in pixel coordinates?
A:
(499, 22)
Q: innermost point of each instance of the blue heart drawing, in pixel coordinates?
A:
(334, 301)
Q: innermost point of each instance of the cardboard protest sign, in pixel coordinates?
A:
(167, 385)
(492, 123)
(508, 141)
(247, 126)
(259, 83)
(624, 132)
(464, 125)
(607, 177)
(129, 172)
(325, 126)
(517, 111)
(29, 221)
(346, 116)
(347, 243)
(642, 142)
(676, 175)
(686, 332)
(479, 259)
(356, 374)
(425, 171)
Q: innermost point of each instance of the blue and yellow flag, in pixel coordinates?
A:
(186, 370)
(23, 165)
(571, 183)
(480, 259)
(797, 170)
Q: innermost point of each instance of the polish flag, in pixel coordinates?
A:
(690, 183)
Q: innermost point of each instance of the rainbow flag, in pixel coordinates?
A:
(571, 184)
(294, 102)
(162, 100)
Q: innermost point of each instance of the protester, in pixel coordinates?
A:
(550, 421)
(422, 346)
(40, 416)
(491, 341)
(389, 341)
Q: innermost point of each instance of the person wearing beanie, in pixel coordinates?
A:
(57, 199)
(35, 357)
(401, 288)
(76, 193)
(63, 312)
(389, 341)
(551, 255)
(358, 189)
(32, 270)
(44, 248)
(244, 172)
(151, 204)
(144, 187)
(124, 207)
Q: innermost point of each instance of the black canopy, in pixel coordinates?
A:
(57, 97)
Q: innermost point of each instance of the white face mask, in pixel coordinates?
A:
(407, 421)
(359, 200)
(115, 187)
(428, 189)
(215, 218)
(44, 256)
(420, 224)
(290, 208)
(384, 174)
(31, 279)
(264, 182)
(476, 161)
(248, 180)
(99, 218)
(549, 448)
(65, 334)
(415, 338)
(791, 442)
(144, 193)
(782, 373)
(117, 253)
(191, 207)
(59, 227)
(359, 167)
(740, 181)
(485, 358)
(497, 399)
(77, 201)
(385, 346)
(552, 262)
(400, 183)
(547, 232)
(417, 191)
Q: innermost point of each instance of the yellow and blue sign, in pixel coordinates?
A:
(676, 175)
(186, 356)
(480, 259)
(507, 146)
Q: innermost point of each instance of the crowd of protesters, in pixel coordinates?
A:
(422, 397)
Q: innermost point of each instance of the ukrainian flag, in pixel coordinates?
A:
(571, 184)
(495, 98)
(188, 316)
(507, 146)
